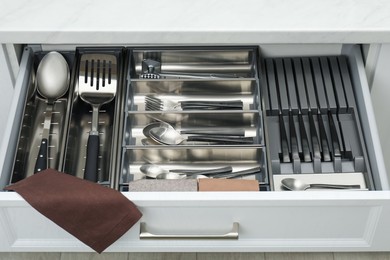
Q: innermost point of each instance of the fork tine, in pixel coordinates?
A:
(153, 103)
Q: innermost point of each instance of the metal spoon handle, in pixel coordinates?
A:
(233, 175)
(334, 186)
(225, 169)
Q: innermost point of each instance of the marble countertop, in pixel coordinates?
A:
(198, 21)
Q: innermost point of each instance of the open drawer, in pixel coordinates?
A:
(219, 221)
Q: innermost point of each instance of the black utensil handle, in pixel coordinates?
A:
(91, 162)
(334, 136)
(41, 163)
(222, 132)
(211, 105)
(283, 140)
(304, 140)
(293, 139)
(324, 140)
(225, 169)
(334, 186)
(233, 103)
(191, 107)
(314, 138)
(232, 175)
(210, 138)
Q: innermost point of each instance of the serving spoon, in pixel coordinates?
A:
(53, 82)
(295, 184)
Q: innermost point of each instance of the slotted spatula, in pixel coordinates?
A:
(97, 86)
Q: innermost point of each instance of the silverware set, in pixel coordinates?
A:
(153, 103)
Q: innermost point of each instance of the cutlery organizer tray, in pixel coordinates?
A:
(170, 77)
(312, 119)
(290, 116)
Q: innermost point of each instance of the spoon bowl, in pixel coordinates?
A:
(52, 76)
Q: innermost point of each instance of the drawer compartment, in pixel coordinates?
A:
(80, 124)
(32, 126)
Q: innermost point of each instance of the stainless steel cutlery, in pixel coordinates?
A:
(153, 103)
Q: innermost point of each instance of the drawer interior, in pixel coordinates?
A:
(224, 106)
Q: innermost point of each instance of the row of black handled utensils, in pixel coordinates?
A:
(312, 145)
(314, 91)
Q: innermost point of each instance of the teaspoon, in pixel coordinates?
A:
(294, 184)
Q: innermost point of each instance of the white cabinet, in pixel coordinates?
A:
(265, 221)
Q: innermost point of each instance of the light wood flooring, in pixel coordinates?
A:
(195, 256)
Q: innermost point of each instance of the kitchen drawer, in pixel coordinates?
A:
(222, 221)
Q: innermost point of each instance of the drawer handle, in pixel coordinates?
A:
(144, 234)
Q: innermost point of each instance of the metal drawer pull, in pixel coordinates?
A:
(144, 234)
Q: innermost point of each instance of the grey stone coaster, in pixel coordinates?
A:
(164, 185)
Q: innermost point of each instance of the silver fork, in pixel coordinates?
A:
(154, 103)
(97, 86)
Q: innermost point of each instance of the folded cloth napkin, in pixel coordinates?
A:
(94, 214)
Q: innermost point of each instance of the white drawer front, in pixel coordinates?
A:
(267, 222)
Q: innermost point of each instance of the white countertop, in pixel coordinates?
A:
(198, 21)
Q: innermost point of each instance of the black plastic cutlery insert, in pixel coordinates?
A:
(312, 118)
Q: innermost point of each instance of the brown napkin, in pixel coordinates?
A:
(94, 214)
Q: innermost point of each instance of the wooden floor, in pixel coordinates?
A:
(194, 256)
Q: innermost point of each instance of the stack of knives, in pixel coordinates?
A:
(311, 115)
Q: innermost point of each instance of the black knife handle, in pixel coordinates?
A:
(314, 138)
(283, 140)
(91, 162)
(293, 139)
(41, 163)
(324, 140)
(222, 132)
(221, 139)
(334, 136)
(304, 140)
